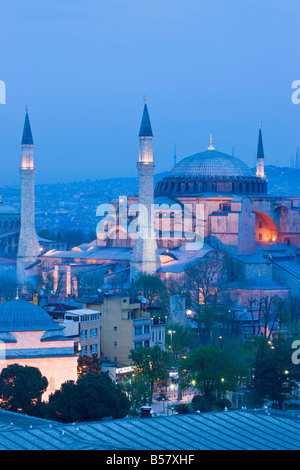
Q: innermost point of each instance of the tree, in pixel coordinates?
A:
(92, 398)
(152, 288)
(21, 388)
(74, 238)
(293, 310)
(206, 281)
(274, 372)
(152, 364)
(137, 391)
(180, 340)
(88, 365)
(211, 371)
(45, 233)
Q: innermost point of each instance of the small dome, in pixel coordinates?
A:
(210, 164)
(20, 315)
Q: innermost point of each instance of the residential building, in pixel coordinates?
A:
(83, 325)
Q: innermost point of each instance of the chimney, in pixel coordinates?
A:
(146, 412)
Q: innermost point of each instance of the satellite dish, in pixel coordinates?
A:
(99, 290)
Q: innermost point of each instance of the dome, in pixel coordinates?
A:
(20, 315)
(210, 164)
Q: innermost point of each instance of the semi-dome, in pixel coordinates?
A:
(20, 315)
(210, 163)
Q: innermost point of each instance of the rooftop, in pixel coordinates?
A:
(231, 430)
(20, 315)
(210, 163)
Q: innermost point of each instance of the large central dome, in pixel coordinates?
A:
(210, 164)
(210, 172)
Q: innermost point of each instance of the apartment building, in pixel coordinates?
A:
(83, 325)
(124, 326)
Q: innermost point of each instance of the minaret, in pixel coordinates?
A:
(28, 249)
(145, 257)
(260, 157)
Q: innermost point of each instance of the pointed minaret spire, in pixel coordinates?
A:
(27, 144)
(28, 247)
(145, 129)
(175, 156)
(260, 156)
(27, 134)
(145, 256)
(146, 138)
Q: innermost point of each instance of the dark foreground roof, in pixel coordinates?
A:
(231, 430)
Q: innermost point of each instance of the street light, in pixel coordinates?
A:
(172, 390)
(171, 333)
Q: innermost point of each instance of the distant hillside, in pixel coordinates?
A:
(284, 181)
(65, 206)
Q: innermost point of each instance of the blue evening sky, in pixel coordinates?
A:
(205, 66)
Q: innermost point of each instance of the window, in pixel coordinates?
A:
(260, 236)
(115, 328)
(93, 332)
(260, 224)
(146, 329)
(83, 334)
(84, 350)
(94, 348)
(138, 330)
(138, 344)
(115, 343)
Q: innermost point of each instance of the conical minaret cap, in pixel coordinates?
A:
(260, 147)
(145, 129)
(27, 134)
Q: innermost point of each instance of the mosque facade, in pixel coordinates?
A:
(209, 206)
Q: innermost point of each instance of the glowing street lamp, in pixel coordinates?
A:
(171, 332)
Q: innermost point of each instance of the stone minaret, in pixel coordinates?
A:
(145, 257)
(260, 157)
(28, 249)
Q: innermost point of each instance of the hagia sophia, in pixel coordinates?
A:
(227, 208)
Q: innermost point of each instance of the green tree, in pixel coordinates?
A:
(88, 365)
(153, 289)
(179, 339)
(274, 372)
(45, 233)
(152, 364)
(211, 371)
(74, 238)
(92, 398)
(137, 390)
(21, 389)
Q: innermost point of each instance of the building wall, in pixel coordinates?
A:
(55, 366)
(118, 319)
(285, 277)
(243, 296)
